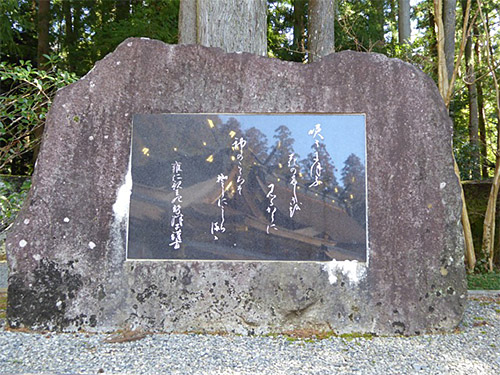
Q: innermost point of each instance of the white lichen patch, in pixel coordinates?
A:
(353, 270)
(121, 205)
(120, 215)
(92, 245)
(22, 243)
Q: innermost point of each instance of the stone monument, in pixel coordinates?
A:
(183, 189)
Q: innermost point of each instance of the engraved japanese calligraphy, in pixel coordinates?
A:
(177, 216)
(248, 187)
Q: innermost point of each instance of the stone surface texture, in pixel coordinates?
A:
(66, 251)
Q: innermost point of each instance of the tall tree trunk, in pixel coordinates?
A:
(488, 247)
(449, 22)
(393, 21)
(68, 20)
(43, 33)
(233, 25)
(443, 84)
(482, 131)
(443, 81)
(187, 22)
(34, 12)
(494, 254)
(480, 110)
(404, 26)
(433, 48)
(377, 18)
(470, 79)
(43, 23)
(470, 254)
(122, 9)
(321, 30)
(70, 37)
(299, 30)
(496, 251)
(77, 31)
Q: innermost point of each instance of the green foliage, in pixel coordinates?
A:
(155, 19)
(280, 30)
(23, 107)
(484, 281)
(476, 197)
(83, 31)
(460, 106)
(423, 50)
(13, 192)
(18, 39)
(464, 155)
(360, 25)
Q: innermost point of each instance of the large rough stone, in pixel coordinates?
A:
(66, 251)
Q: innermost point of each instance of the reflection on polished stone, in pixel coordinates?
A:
(248, 187)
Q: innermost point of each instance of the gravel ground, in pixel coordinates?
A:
(475, 349)
(3, 274)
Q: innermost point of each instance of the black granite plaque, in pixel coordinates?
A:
(248, 187)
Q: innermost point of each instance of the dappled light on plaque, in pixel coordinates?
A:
(248, 187)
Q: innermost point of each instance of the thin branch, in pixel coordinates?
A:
(466, 29)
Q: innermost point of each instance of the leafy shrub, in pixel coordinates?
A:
(13, 191)
(486, 281)
(25, 97)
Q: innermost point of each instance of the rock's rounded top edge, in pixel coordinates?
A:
(346, 59)
(368, 57)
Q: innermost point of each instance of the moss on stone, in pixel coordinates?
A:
(3, 305)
